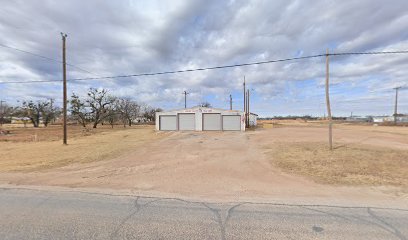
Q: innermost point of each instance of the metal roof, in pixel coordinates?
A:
(204, 108)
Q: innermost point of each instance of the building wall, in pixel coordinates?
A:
(402, 119)
(199, 115)
(252, 119)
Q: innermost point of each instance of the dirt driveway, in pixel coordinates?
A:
(231, 166)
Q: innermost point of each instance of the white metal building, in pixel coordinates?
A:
(200, 119)
(252, 119)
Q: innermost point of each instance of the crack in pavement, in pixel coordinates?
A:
(138, 207)
(353, 218)
(393, 230)
(200, 202)
(217, 214)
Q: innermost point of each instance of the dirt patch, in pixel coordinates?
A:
(349, 164)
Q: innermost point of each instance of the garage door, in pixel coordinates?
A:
(211, 121)
(186, 121)
(168, 122)
(231, 123)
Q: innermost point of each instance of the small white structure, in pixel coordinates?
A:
(357, 119)
(15, 120)
(201, 119)
(252, 119)
(380, 119)
(403, 118)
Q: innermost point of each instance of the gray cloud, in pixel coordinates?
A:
(124, 37)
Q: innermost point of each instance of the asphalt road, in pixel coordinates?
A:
(33, 214)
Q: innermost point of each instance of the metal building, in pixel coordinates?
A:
(200, 119)
(252, 119)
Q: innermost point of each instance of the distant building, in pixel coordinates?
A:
(20, 120)
(403, 118)
(357, 119)
(380, 119)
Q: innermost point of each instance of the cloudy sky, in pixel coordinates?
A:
(108, 38)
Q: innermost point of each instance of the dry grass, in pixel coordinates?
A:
(19, 133)
(347, 164)
(105, 144)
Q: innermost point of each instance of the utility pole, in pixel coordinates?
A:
(185, 98)
(52, 109)
(2, 112)
(396, 105)
(245, 102)
(64, 97)
(328, 101)
(230, 102)
(249, 113)
(244, 97)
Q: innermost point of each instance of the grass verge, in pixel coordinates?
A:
(36, 156)
(346, 164)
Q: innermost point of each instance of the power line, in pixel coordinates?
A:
(368, 53)
(212, 68)
(46, 58)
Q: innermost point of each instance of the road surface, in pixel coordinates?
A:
(35, 214)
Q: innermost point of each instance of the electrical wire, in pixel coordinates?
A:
(212, 68)
(46, 58)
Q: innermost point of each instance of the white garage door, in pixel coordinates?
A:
(231, 123)
(168, 122)
(186, 121)
(211, 121)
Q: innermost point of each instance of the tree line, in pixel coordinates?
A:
(97, 107)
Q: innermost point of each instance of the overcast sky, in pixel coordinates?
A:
(111, 38)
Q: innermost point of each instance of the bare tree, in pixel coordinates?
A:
(49, 112)
(205, 104)
(128, 110)
(150, 113)
(78, 110)
(6, 113)
(99, 101)
(113, 114)
(34, 111)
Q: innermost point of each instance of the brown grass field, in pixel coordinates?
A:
(370, 161)
(30, 149)
(351, 164)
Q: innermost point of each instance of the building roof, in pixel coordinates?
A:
(203, 108)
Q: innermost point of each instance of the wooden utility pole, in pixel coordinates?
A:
(185, 99)
(249, 113)
(396, 105)
(328, 101)
(244, 98)
(2, 112)
(64, 101)
(230, 102)
(52, 109)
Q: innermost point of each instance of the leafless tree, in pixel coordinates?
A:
(78, 110)
(99, 102)
(35, 111)
(150, 113)
(49, 112)
(6, 113)
(128, 110)
(112, 113)
(205, 104)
